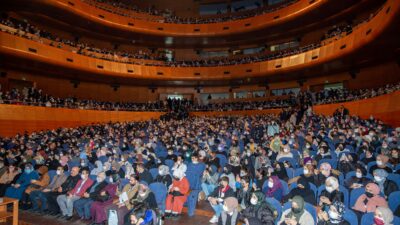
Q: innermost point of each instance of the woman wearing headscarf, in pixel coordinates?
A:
(381, 161)
(387, 186)
(38, 184)
(98, 209)
(128, 166)
(334, 216)
(144, 198)
(383, 216)
(230, 214)
(370, 200)
(280, 171)
(331, 193)
(347, 162)
(296, 214)
(303, 189)
(164, 176)
(275, 188)
(359, 180)
(98, 168)
(177, 194)
(259, 212)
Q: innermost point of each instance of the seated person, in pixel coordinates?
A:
(275, 189)
(144, 197)
(144, 174)
(297, 214)
(387, 186)
(334, 216)
(217, 197)
(39, 195)
(38, 184)
(177, 194)
(330, 194)
(66, 201)
(18, 188)
(303, 189)
(94, 193)
(369, 201)
(259, 211)
(209, 180)
(164, 176)
(98, 208)
(230, 214)
(244, 193)
(381, 161)
(141, 216)
(122, 205)
(359, 180)
(7, 178)
(68, 185)
(383, 216)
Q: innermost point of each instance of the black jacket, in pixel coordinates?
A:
(218, 194)
(241, 195)
(259, 215)
(95, 195)
(69, 183)
(146, 176)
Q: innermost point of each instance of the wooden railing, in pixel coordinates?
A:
(362, 35)
(139, 25)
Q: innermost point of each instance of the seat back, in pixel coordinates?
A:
(350, 217)
(160, 192)
(354, 195)
(277, 205)
(394, 200)
(154, 172)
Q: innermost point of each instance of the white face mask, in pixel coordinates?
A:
(82, 164)
(329, 189)
(225, 208)
(254, 201)
(58, 172)
(286, 150)
(270, 184)
(242, 173)
(248, 153)
(378, 179)
(379, 163)
(83, 176)
(333, 215)
(358, 175)
(305, 171)
(99, 180)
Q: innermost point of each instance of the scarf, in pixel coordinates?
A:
(234, 217)
(300, 203)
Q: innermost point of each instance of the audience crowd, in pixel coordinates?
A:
(180, 108)
(26, 30)
(167, 16)
(292, 168)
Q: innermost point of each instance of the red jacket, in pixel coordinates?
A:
(83, 189)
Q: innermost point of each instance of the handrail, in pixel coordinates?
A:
(108, 19)
(363, 35)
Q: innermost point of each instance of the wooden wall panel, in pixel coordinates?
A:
(16, 119)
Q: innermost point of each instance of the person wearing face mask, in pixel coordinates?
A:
(280, 171)
(369, 155)
(209, 181)
(244, 193)
(144, 198)
(383, 216)
(259, 212)
(24, 180)
(381, 161)
(39, 195)
(39, 184)
(247, 161)
(303, 189)
(330, 194)
(122, 205)
(369, 201)
(177, 194)
(218, 195)
(297, 214)
(179, 165)
(359, 180)
(7, 178)
(334, 216)
(275, 189)
(284, 151)
(164, 176)
(387, 186)
(66, 201)
(171, 155)
(230, 214)
(98, 207)
(325, 170)
(227, 172)
(82, 206)
(196, 170)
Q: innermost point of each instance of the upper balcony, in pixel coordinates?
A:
(296, 17)
(378, 33)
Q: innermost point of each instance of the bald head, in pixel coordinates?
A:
(74, 171)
